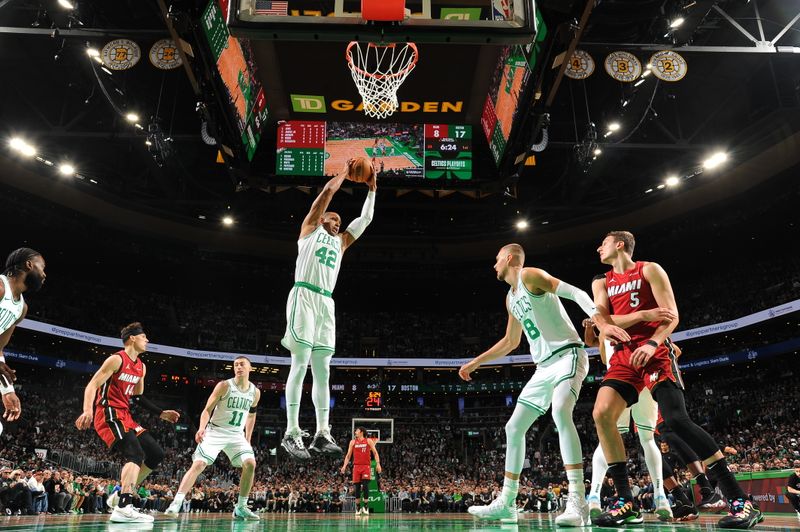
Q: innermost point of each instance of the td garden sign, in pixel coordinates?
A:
(304, 103)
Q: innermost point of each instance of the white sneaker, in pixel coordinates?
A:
(576, 513)
(129, 514)
(113, 500)
(497, 509)
(663, 509)
(174, 508)
(243, 512)
(594, 506)
(365, 511)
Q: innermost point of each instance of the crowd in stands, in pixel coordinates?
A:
(431, 466)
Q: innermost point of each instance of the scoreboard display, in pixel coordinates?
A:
(402, 151)
(448, 151)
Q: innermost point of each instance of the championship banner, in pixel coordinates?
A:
(116, 343)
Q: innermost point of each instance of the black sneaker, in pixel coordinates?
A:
(621, 513)
(713, 503)
(293, 444)
(324, 443)
(743, 514)
(682, 512)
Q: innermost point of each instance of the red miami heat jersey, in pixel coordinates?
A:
(629, 292)
(116, 391)
(361, 452)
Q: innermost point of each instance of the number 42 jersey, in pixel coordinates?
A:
(319, 258)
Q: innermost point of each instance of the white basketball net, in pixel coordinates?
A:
(378, 71)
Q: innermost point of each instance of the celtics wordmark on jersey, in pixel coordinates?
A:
(544, 320)
(10, 310)
(231, 411)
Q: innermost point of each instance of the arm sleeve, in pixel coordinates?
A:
(577, 295)
(147, 404)
(357, 226)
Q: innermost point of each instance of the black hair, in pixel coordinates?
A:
(17, 259)
(598, 277)
(132, 329)
(363, 431)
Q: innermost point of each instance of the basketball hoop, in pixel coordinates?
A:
(378, 70)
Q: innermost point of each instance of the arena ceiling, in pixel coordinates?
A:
(741, 95)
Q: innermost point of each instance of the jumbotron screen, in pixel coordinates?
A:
(403, 151)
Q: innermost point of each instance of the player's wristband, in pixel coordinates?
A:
(5, 388)
(653, 343)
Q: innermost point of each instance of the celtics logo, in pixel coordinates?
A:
(121, 54)
(164, 55)
(580, 66)
(668, 65)
(623, 66)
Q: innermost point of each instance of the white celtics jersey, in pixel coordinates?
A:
(232, 410)
(544, 320)
(10, 310)
(319, 258)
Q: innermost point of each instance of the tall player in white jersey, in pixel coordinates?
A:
(24, 271)
(533, 306)
(226, 424)
(310, 323)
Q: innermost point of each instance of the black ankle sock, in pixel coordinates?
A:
(679, 495)
(727, 482)
(125, 499)
(618, 471)
(704, 484)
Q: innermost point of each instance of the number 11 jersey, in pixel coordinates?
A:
(231, 411)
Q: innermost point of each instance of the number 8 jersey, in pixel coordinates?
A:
(319, 257)
(232, 409)
(544, 320)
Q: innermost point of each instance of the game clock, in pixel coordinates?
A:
(448, 151)
(374, 401)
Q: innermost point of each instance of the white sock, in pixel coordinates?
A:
(321, 389)
(575, 479)
(242, 501)
(599, 468)
(652, 457)
(510, 490)
(294, 389)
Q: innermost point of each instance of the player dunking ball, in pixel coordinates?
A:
(360, 448)
(226, 424)
(647, 360)
(24, 272)
(534, 307)
(310, 323)
(106, 402)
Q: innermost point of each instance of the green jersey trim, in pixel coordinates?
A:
(531, 405)
(314, 288)
(560, 349)
(572, 371)
(291, 325)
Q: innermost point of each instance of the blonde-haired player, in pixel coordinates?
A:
(226, 424)
(310, 323)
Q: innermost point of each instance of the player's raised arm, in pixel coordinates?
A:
(110, 366)
(357, 226)
(504, 346)
(320, 205)
(538, 280)
(205, 416)
(251, 417)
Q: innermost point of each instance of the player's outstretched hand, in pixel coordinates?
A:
(465, 370)
(616, 334)
(587, 322)
(12, 407)
(343, 469)
(378, 468)
(170, 415)
(200, 435)
(659, 314)
(7, 375)
(84, 421)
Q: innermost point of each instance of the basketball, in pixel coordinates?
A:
(360, 170)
